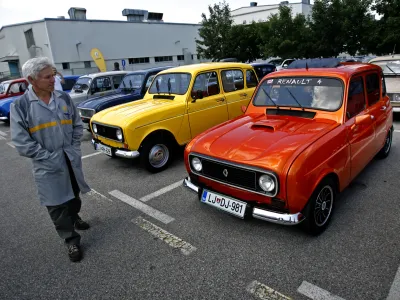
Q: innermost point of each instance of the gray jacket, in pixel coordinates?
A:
(46, 136)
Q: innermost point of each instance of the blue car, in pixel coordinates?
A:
(5, 108)
(69, 82)
(132, 87)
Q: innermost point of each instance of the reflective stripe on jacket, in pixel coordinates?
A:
(46, 136)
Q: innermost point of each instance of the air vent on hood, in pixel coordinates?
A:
(290, 112)
(164, 97)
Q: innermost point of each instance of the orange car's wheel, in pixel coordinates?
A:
(320, 207)
(384, 152)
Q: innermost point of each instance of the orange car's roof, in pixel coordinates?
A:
(345, 71)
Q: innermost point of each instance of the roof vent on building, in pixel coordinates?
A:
(284, 3)
(253, 3)
(306, 2)
(139, 15)
(77, 13)
(60, 17)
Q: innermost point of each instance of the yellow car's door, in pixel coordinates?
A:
(206, 103)
(236, 92)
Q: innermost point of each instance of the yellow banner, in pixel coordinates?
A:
(98, 59)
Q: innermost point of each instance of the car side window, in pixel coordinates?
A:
(251, 79)
(207, 84)
(356, 97)
(14, 88)
(101, 84)
(373, 89)
(232, 80)
(117, 80)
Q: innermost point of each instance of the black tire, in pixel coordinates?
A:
(156, 154)
(320, 207)
(384, 152)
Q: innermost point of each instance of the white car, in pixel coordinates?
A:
(96, 84)
(390, 65)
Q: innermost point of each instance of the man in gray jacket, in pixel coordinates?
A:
(46, 127)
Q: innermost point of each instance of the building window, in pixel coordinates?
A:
(65, 66)
(87, 64)
(139, 60)
(30, 41)
(162, 58)
(181, 57)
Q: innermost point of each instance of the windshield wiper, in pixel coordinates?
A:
(391, 69)
(273, 102)
(169, 86)
(294, 98)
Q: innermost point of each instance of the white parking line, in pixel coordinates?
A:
(11, 144)
(264, 292)
(90, 155)
(3, 133)
(394, 293)
(161, 191)
(313, 292)
(152, 212)
(96, 194)
(165, 236)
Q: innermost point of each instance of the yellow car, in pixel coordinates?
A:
(181, 103)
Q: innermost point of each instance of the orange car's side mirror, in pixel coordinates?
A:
(244, 108)
(361, 119)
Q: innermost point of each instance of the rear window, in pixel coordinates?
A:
(319, 93)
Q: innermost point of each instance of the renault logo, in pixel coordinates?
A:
(225, 172)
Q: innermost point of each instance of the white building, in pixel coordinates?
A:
(260, 13)
(142, 41)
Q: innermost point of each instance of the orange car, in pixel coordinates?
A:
(307, 132)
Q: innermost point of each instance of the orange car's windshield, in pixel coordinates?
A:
(320, 93)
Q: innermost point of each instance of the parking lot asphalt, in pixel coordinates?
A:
(150, 238)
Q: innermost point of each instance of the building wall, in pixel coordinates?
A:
(71, 42)
(262, 13)
(13, 42)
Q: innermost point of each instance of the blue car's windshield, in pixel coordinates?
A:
(306, 92)
(132, 82)
(171, 83)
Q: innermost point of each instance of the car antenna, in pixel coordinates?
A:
(306, 66)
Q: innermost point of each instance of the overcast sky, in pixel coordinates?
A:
(180, 11)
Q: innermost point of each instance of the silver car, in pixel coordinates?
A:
(95, 85)
(390, 65)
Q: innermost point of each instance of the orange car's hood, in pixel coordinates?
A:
(262, 141)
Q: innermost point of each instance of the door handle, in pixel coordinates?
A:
(383, 108)
(372, 117)
(221, 100)
(244, 94)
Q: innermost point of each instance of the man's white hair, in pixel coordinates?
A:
(34, 65)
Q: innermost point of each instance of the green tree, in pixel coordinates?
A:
(327, 29)
(215, 33)
(388, 29)
(244, 42)
(286, 36)
(357, 25)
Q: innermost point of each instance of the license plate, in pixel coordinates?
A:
(104, 149)
(232, 206)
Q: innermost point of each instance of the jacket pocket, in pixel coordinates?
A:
(54, 164)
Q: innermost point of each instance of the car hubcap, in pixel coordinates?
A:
(158, 156)
(388, 142)
(323, 206)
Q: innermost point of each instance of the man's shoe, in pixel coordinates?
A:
(74, 253)
(81, 225)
